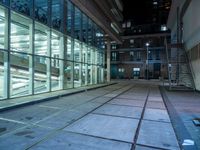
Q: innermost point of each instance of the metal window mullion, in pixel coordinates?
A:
(72, 42)
(31, 58)
(48, 71)
(7, 55)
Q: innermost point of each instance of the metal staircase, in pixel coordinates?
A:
(179, 71)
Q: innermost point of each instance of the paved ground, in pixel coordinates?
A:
(183, 108)
(124, 116)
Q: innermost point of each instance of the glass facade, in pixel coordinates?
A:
(47, 46)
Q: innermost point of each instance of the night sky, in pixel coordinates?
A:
(140, 11)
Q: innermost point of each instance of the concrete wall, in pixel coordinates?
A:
(191, 37)
(191, 24)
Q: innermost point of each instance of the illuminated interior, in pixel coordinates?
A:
(38, 57)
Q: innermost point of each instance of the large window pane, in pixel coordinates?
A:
(41, 79)
(77, 74)
(90, 33)
(56, 45)
(89, 55)
(2, 28)
(84, 74)
(42, 37)
(68, 74)
(77, 51)
(22, 6)
(89, 73)
(20, 33)
(4, 2)
(19, 75)
(84, 28)
(55, 74)
(56, 14)
(69, 52)
(84, 53)
(77, 24)
(41, 10)
(2, 74)
(70, 14)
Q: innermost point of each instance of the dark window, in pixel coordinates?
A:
(21, 6)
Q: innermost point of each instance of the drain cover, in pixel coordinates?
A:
(196, 121)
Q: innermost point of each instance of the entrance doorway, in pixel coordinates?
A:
(156, 70)
(136, 73)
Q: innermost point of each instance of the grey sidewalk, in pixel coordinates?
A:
(184, 106)
(33, 99)
(123, 116)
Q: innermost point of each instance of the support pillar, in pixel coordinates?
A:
(108, 60)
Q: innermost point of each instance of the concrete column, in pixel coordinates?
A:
(108, 60)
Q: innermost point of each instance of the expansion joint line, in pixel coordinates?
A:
(51, 134)
(140, 122)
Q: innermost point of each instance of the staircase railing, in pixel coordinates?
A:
(179, 69)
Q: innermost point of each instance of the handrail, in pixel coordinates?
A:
(190, 68)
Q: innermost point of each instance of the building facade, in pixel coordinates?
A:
(140, 57)
(48, 46)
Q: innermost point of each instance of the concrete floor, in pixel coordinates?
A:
(128, 115)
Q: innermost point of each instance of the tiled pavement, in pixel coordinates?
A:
(123, 116)
(184, 106)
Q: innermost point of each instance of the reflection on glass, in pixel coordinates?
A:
(84, 53)
(84, 74)
(44, 55)
(77, 74)
(92, 56)
(40, 74)
(55, 74)
(77, 24)
(2, 89)
(56, 14)
(20, 38)
(70, 14)
(19, 74)
(41, 42)
(55, 45)
(89, 55)
(2, 28)
(68, 74)
(84, 28)
(4, 1)
(90, 37)
(41, 10)
(68, 51)
(93, 74)
(89, 74)
(22, 6)
(101, 58)
(77, 51)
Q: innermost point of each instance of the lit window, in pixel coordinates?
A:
(128, 24)
(163, 28)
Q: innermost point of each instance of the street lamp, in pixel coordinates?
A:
(147, 60)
